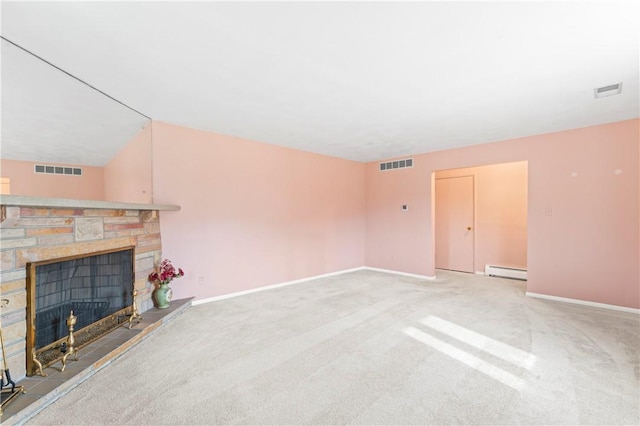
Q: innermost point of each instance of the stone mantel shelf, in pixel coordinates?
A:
(28, 201)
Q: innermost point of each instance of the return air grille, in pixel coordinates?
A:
(396, 164)
(57, 170)
(602, 92)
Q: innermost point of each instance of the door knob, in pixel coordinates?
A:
(468, 228)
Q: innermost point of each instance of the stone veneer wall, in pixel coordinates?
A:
(29, 234)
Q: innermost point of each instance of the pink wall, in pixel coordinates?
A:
(583, 229)
(500, 213)
(127, 177)
(5, 185)
(24, 181)
(253, 214)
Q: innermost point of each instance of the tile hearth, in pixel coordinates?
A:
(42, 391)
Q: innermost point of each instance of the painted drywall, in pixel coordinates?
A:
(24, 181)
(5, 186)
(127, 177)
(583, 230)
(500, 222)
(253, 214)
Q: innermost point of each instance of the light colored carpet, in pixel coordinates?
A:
(373, 348)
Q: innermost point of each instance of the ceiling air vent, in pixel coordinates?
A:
(396, 164)
(612, 89)
(57, 170)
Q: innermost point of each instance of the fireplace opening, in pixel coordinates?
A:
(97, 287)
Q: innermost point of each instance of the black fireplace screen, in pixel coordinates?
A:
(93, 287)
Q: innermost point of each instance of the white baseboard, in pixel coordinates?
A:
(584, 302)
(406, 274)
(270, 287)
(303, 280)
(479, 272)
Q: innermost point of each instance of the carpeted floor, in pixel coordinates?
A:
(374, 348)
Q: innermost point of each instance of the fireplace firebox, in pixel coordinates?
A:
(96, 287)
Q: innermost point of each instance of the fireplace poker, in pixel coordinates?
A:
(5, 368)
(15, 390)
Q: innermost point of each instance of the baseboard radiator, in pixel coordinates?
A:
(501, 271)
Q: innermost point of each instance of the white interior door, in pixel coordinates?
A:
(454, 223)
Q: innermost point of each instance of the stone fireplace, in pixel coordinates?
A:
(38, 230)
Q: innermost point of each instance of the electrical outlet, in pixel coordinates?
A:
(201, 280)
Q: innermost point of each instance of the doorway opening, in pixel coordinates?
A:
(481, 217)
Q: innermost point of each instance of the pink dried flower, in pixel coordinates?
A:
(165, 273)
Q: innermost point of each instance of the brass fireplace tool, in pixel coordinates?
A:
(135, 315)
(7, 394)
(69, 347)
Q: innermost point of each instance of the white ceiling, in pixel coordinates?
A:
(50, 117)
(356, 80)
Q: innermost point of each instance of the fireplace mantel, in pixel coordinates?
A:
(28, 201)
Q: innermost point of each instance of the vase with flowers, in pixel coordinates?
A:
(162, 277)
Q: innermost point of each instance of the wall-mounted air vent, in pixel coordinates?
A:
(396, 164)
(57, 170)
(612, 89)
